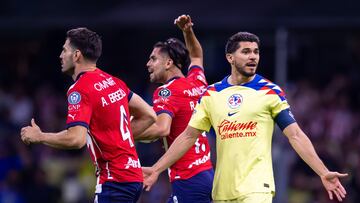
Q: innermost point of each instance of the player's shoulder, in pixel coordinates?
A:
(196, 73)
(268, 87)
(164, 91)
(263, 80)
(195, 69)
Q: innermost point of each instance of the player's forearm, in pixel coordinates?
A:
(61, 140)
(177, 149)
(151, 133)
(303, 146)
(192, 44)
(138, 125)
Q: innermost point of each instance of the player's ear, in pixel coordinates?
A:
(77, 54)
(230, 58)
(169, 63)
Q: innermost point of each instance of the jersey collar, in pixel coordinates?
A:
(82, 73)
(254, 81)
(171, 79)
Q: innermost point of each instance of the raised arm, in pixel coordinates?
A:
(193, 45)
(142, 113)
(303, 146)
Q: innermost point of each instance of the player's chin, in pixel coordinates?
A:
(250, 73)
(152, 78)
(63, 69)
(251, 70)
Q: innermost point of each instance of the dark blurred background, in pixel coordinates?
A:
(310, 48)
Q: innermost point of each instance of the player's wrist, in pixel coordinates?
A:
(157, 170)
(41, 138)
(323, 173)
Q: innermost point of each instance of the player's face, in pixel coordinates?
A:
(66, 58)
(246, 58)
(157, 66)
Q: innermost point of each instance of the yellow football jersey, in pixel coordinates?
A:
(243, 118)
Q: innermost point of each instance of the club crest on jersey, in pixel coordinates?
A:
(74, 98)
(235, 100)
(165, 93)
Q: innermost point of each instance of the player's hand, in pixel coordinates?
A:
(332, 184)
(150, 177)
(184, 22)
(31, 134)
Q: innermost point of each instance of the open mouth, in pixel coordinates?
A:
(251, 64)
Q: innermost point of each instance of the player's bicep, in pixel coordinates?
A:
(284, 118)
(191, 132)
(138, 107)
(196, 61)
(163, 122)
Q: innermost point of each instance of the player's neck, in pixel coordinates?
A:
(174, 73)
(238, 79)
(83, 68)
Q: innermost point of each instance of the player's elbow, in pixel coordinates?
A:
(78, 143)
(163, 131)
(295, 137)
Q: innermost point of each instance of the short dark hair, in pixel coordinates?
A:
(87, 41)
(233, 43)
(176, 50)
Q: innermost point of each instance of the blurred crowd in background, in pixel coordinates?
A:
(322, 86)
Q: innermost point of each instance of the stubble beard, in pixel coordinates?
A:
(70, 71)
(242, 71)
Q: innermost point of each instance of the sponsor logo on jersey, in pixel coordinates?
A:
(74, 107)
(161, 106)
(104, 84)
(196, 91)
(232, 113)
(160, 100)
(235, 100)
(74, 98)
(132, 163)
(232, 129)
(72, 116)
(165, 92)
(200, 161)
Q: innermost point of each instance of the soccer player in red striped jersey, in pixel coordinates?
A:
(191, 177)
(99, 109)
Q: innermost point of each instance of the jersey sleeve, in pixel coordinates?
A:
(200, 118)
(162, 101)
(280, 111)
(79, 108)
(196, 73)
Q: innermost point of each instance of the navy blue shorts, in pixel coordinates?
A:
(195, 189)
(119, 192)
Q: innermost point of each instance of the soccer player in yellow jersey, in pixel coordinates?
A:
(242, 108)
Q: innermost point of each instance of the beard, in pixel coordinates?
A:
(242, 70)
(69, 71)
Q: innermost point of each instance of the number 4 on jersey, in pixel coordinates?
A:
(124, 126)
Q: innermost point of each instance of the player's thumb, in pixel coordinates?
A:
(190, 21)
(341, 175)
(33, 124)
